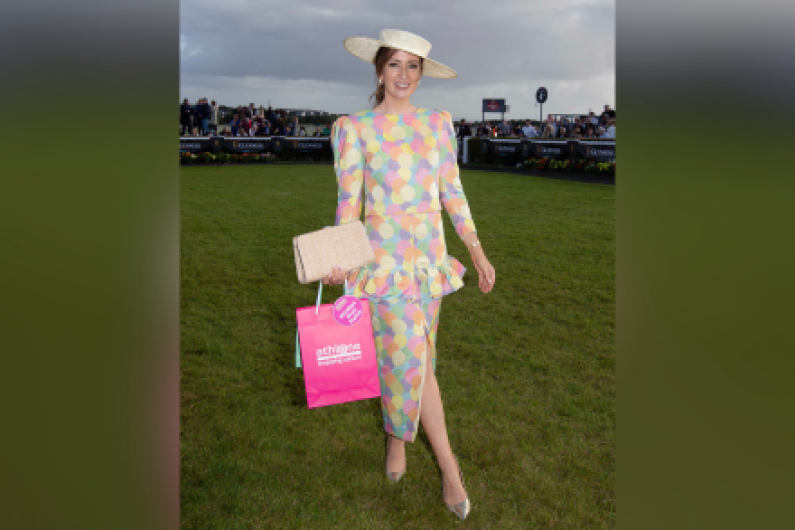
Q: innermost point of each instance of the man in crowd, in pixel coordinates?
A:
(611, 129)
(592, 119)
(528, 130)
(504, 128)
(464, 130)
(576, 129)
(206, 114)
(608, 114)
(185, 120)
(326, 131)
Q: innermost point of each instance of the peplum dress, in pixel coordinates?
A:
(402, 169)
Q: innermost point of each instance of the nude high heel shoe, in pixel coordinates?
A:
(393, 476)
(463, 508)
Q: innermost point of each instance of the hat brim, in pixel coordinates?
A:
(365, 48)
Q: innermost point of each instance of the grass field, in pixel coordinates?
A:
(527, 372)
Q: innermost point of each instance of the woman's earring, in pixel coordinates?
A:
(381, 81)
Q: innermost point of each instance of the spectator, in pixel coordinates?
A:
(592, 118)
(326, 131)
(302, 131)
(185, 121)
(504, 128)
(608, 114)
(463, 129)
(611, 129)
(589, 132)
(600, 131)
(207, 112)
(528, 130)
(252, 110)
(577, 129)
(562, 132)
(235, 124)
(549, 130)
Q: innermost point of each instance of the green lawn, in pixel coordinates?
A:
(527, 373)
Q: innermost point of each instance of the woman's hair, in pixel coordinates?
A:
(382, 57)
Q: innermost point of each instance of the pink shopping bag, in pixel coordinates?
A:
(338, 355)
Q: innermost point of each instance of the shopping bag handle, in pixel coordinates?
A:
(317, 308)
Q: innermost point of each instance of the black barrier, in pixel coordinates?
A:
(306, 145)
(505, 151)
(247, 145)
(550, 149)
(597, 151)
(194, 145)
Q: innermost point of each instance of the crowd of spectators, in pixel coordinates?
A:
(201, 119)
(590, 126)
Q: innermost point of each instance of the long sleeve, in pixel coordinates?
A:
(348, 165)
(451, 192)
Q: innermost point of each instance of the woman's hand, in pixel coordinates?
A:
(336, 277)
(486, 273)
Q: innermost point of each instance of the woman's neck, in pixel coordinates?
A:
(395, 106)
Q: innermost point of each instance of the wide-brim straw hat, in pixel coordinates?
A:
(366, 48)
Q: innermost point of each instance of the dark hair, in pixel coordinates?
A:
(382, 56)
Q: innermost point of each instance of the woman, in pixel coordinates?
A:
(302, 131)
(404, 160)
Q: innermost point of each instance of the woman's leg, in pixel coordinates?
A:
(432, 420)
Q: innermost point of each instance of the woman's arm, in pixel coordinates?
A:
(349, 168)
(451, 193)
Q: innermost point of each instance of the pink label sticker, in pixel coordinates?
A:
(348, 310)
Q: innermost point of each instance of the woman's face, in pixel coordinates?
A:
(401, 74)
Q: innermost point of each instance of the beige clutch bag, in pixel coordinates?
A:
(316, 253)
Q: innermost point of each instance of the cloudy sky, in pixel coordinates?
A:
(290, 52)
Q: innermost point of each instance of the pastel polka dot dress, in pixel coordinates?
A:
(402, 169)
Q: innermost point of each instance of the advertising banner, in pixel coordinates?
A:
(597, 150)
(505, 149)
(306, 145)
(494, 105)
(243, 144)
(555, 150)
(194, 145)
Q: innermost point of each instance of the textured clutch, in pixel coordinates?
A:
(316, 253)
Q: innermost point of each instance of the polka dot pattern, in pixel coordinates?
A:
(402, 369)
(400, 171)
